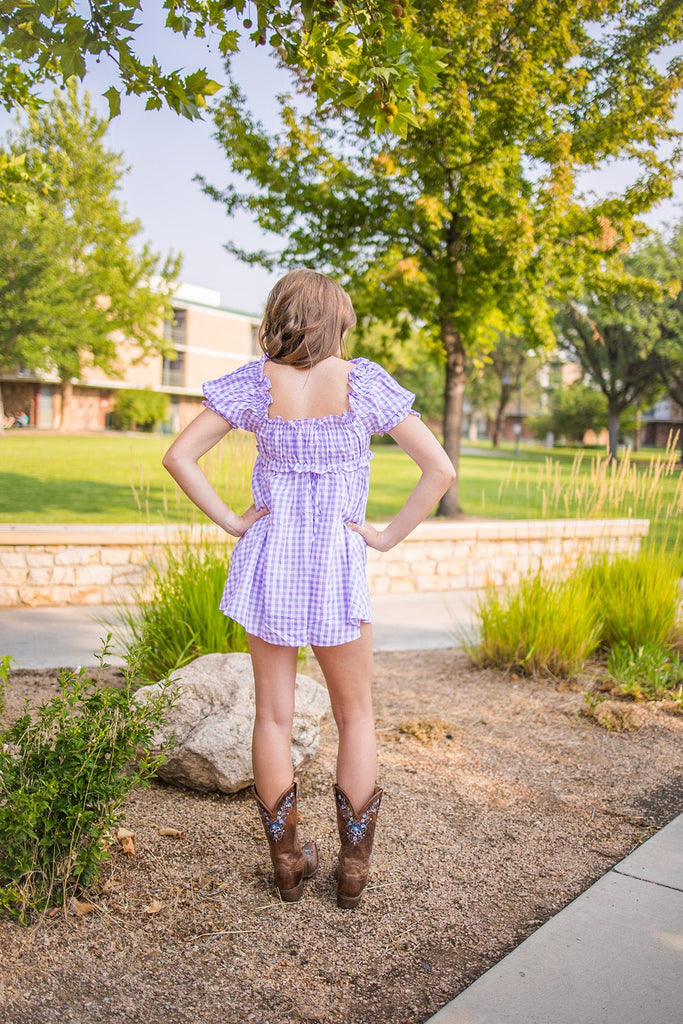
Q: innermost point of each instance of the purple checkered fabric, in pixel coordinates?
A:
(297, 576)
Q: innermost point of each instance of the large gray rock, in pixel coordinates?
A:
(212, 721)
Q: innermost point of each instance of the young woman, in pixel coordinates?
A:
(297, 573)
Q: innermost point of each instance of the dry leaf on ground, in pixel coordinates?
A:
(127, 840)
(153, 907)
(80, 908)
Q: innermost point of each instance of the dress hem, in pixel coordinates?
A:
(299, 643)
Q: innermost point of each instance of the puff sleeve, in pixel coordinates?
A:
(379, 401)
(239, 397)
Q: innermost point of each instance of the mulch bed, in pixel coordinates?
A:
(503, 802)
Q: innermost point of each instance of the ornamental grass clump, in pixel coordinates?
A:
(638, 597)
(66, 767)
(623, 608)
(180, 619)
(545, 626)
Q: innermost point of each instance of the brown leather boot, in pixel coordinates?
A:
(292, 861)
(356, 831)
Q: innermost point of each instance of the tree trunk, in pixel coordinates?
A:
(67, 391)
(456, 378)
(505, 391)
(613, 429)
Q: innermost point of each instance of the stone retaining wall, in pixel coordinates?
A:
(58, 565)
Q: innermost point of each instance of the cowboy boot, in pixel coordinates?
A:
(356, 832)
(292, 862)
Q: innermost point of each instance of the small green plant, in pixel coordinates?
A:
(544, 626)
(180, 619)
(66, 767)
(647, 672)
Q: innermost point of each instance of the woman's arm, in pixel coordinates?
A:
(438, 473)
(182, 462)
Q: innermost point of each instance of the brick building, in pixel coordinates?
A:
(661, 423)
(208, 340)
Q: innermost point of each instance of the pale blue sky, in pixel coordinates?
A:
(165, 151)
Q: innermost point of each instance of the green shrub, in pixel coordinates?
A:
(139, 410)
(180, 620)
(543, 626)
(638, 597)
(648, 672)
(65, 769)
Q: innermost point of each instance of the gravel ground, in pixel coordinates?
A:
(503, 802)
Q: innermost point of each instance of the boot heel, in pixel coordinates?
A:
(292, 895)
(348, 902)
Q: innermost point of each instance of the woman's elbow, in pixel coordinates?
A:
(170, 461)
(443, 475)
(447, 476)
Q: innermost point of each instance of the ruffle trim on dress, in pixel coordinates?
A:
(239, 396)
(376, 401)
(379, 401)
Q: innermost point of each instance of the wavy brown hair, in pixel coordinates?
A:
(305, 319)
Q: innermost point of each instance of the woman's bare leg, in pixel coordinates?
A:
(348, 673)
(271, 751)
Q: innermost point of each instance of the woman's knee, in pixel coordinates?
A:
(356, 715)
(274, 717)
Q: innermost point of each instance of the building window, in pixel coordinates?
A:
(175, 331)
(173, 369)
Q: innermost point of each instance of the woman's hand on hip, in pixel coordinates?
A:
(239, 525)
(373, 538)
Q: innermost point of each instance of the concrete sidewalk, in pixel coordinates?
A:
(612, 956)
(55, 637)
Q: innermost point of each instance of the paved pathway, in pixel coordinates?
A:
(613, 956)
(50, 637)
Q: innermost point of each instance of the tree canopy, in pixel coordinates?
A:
(73, 285)
(369, 55)
(617, 331)
(477, 217)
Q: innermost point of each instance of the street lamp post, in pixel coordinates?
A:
(518, 420)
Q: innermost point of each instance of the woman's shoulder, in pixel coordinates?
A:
(377, 397)
(367, 369)
(240, 396)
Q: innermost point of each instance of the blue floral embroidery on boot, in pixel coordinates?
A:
(356, 829)
(275, 827)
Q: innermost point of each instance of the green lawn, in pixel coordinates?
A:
(119, 478)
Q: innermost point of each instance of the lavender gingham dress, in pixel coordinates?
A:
(297, 576)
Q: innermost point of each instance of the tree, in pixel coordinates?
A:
(72, 285)
(510, 368)
(476, 214)
(366, 53)
(662, 258)
(616, 334)
(576, 409)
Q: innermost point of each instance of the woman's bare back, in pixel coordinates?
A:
(311, 393)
